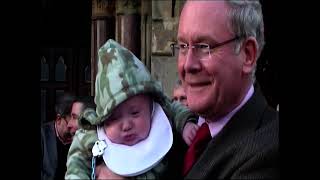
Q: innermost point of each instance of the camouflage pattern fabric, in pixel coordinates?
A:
(120, 76)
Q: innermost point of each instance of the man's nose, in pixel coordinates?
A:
(69, 125)
(192, 64)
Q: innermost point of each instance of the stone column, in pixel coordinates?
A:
(102, 29)
(165, 19)
(146, 32)
(128, 19)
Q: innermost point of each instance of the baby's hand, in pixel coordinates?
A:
(189, 132)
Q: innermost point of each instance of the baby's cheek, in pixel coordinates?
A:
(113, 135)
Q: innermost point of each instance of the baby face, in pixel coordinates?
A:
(130, 121)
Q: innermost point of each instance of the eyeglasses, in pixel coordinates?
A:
(201, 50)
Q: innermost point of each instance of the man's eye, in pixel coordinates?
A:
(202, 46)
(183, 46)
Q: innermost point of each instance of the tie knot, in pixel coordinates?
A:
(203, 133)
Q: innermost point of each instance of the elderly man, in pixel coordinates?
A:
(237, 136)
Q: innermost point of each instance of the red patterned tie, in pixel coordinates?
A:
(198, 144)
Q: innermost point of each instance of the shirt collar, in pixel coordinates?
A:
(216, 126)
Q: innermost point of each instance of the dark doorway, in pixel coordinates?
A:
(64, 55)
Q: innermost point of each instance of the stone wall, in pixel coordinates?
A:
(165, 18)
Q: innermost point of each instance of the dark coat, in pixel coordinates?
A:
(247, 147)
(49, 151)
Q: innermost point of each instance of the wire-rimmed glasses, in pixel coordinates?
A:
(202, 51)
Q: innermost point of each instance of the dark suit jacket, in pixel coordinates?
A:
(247, 147)
(49, 151)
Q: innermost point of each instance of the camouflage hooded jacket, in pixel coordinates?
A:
(120, 76)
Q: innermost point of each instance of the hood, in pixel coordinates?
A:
(120, 75)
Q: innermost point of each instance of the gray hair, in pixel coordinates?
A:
(247, 21)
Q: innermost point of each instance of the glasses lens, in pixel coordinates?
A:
(202, 51)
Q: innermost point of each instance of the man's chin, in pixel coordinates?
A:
(201, 108)
(197, 108)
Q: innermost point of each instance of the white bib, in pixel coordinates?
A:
(143, 156)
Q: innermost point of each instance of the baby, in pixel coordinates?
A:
(130, 130)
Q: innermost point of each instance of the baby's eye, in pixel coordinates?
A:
(135, 112)
(110, 120)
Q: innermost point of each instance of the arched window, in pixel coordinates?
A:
(87, 74)
(44, 69)
(60, 73)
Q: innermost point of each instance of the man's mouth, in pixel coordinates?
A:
(198, 84)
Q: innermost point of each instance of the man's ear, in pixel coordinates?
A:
(250, 47)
